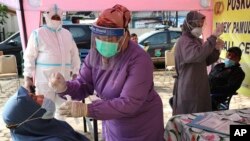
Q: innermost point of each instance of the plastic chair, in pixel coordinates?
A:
(83, 53)
(222, 102)
(169, 64)
(86, 122)
(8, 69)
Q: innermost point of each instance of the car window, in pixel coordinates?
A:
(16, 40)
(77, 32)
(174, 36)
(80, 33)
(159, 38)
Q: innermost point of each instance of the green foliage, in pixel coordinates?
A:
(3, 14)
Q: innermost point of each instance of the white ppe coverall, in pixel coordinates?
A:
(49, 51)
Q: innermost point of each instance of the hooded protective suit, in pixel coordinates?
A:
(50, 49)
(20, 107)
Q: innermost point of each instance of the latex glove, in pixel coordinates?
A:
(219, 44)
(73, 109)
(28, 82)
(219, 30)
(57, 82)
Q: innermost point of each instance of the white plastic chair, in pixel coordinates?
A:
(8, 69)
(169, 64)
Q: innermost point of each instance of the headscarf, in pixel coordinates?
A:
(192, 18)
(116, 17)
(20, 107)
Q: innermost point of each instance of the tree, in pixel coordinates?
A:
(3, 14)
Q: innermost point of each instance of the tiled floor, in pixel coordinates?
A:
(163, 85)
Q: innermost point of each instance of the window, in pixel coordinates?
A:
(77, 32)
(17, 39)
(159, 38)
(174, 36)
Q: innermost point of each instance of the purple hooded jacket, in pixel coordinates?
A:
(130, 108)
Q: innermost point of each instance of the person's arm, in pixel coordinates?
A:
(30, 55)
(81, 87)
(213, 57)
(234, 82)
(134, 93)
(194, 52)
(75, 58)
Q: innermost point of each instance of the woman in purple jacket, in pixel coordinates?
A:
(121, 73)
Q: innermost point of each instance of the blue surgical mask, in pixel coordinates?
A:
(50, 108)
(106, 49)
(229, 63)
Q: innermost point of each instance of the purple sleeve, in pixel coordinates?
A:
(192, 51)
(213, 57)
(136, 90)
(81, 87)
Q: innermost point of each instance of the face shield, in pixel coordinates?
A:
(106, 45)
(107, 41)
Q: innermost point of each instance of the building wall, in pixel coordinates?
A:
(10, 27)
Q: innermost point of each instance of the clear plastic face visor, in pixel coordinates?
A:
(108, 35)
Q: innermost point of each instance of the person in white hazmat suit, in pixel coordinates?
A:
(50, 48)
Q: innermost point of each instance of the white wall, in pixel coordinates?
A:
(11, 24)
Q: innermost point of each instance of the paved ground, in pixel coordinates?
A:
(163, 86)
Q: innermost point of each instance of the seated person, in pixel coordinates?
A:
(226, 78)
(30, 118)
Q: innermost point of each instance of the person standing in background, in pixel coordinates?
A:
(192, 56)
(50, 48)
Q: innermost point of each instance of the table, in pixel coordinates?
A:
(177, 128)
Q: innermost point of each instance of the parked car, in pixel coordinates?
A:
(80, 32)
(158, 41)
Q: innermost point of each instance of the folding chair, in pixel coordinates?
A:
(8, 69)
(95, 127)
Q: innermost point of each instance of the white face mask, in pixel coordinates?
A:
(197, 31)
(55, 24)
